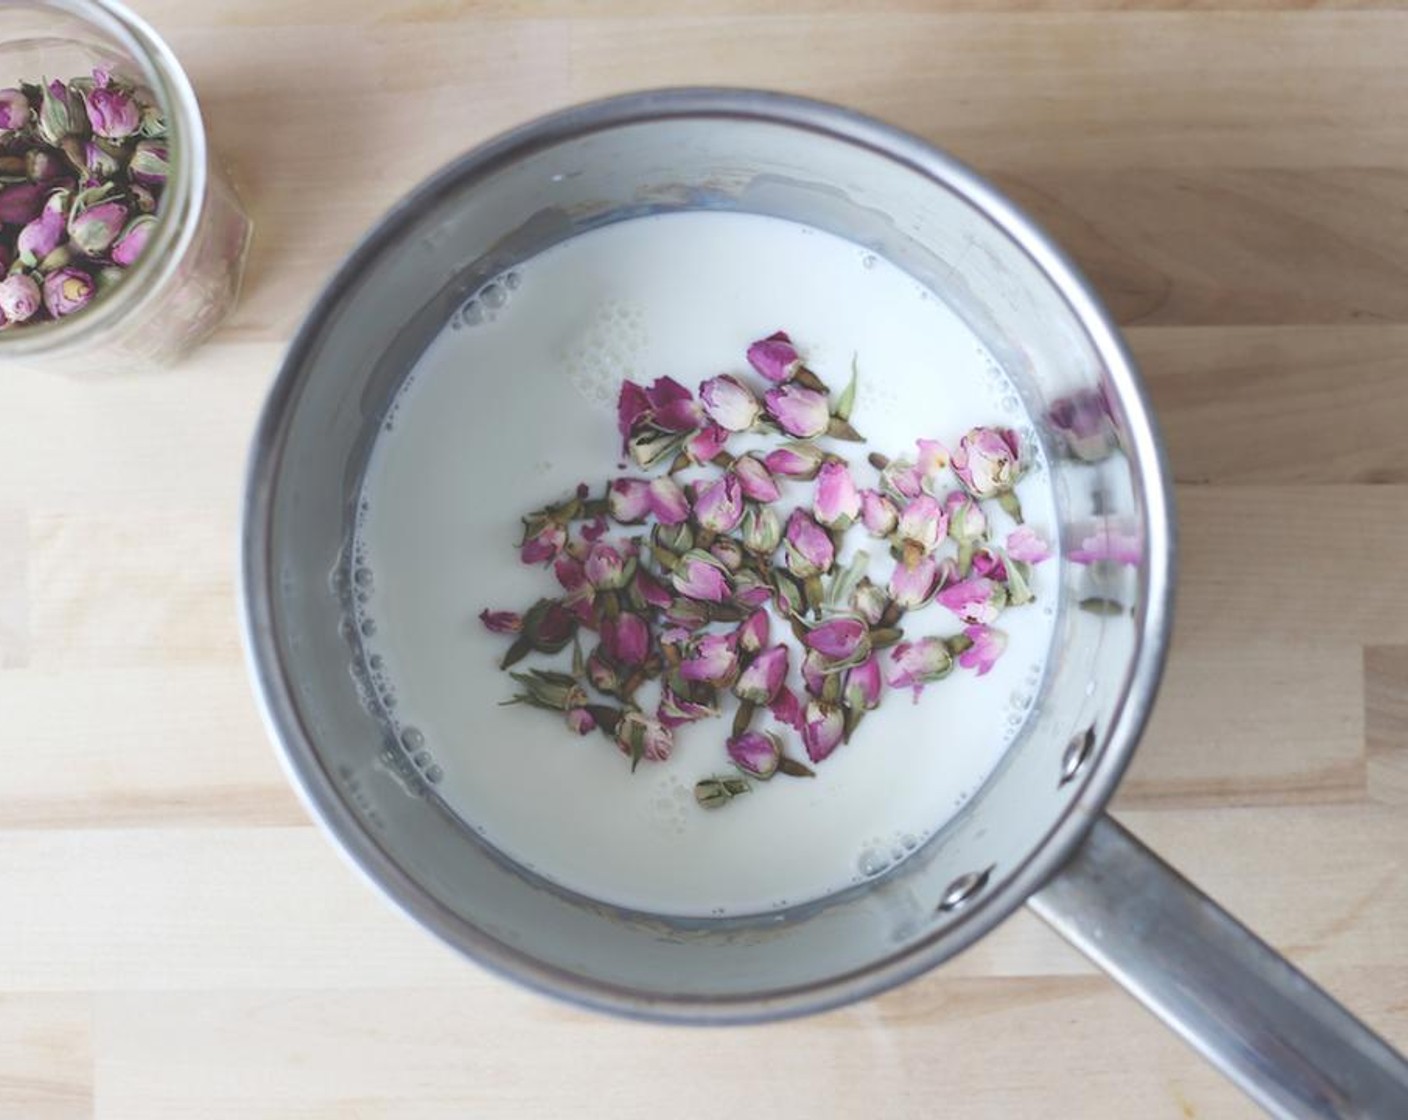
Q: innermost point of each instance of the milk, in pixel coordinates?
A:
(513, 406)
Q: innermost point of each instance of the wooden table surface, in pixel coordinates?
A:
(177, 941)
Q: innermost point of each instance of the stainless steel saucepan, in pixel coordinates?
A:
(1034, 835)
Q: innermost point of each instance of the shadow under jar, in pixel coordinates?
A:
(187, 278)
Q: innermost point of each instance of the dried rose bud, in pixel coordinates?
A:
(133, 241)
(787, 598)
(625, 639)
(975, 600)
(933, 458)
(878, 513)
(729, 403)
(501, 622)
(112, 109)
(714, 793)
(44, 165)
(650, 446)
(667, 501)
(580, 721)
(61, 113)
(67, 290)
(571, 574)
(799, 412)
(20, 298)
(548, 626)
(837, 501)
(21, 202)
(606, 569)
(601, 672)
(554, 692)
(912, 587)
(753, 632)
(641, 737)
(93, 229)
(628, 500)
(807, 546)
(676, 710)
(796, 460)
(750, 590)
(765, 674)
(719, 506)
(869, 602)
(149, 163)
(923, 524)
(755, 479)
(727, 552)
(703, 445)
(543, 545)
(839, 639)
(864, 684)
(987, 647)
(823, 726)
(901, 480)
(988, 461)
(762, 531)
(756, 753)
(915, 664)
(967, 524)
(1026, 544)
(774, 357)
(989, 565)
(14, 110)
(1083, 422)
(786, 708)
(687, 614)
(99, 162)
(44, 234)
(647, 591)
(700, 576)
(713, 659)
(143, 200)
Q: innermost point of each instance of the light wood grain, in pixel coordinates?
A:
(177, 941)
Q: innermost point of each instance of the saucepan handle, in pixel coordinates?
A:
(1265, 1024)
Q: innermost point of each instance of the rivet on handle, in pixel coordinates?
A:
(1078, 752)
(961, 891)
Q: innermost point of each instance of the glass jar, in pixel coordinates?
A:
(186, 281)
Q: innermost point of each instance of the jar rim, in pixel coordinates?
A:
(178, 216)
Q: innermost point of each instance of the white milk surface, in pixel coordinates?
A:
(513, 406)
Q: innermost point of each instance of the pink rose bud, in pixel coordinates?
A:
(667, 501)
(501, 622)
(912, 587)
(933, 458)
(753, 632)
(923, 523)
(878, 513)
(750, 590)
(22, 202)
(799, 412)
(650, 591)
(602, 672)
(571, 574)
(987, 461)
(100, 163)
(774, 357)
(864, 684)
(1025, 544)
(967, 524)
(815, 668)
(807, 546)
(113, 111)
(628, 500)
(1083, 422)
(672, 406)
(714, 660)
(915, 664)
(45, 233)
(700, 576)
(675, 710)
(989, 565)
(66, 291)
(719, 506)
(1113, 543)
(869, 602)
(93, 230)
(703, 445)
(632, 407)
(625, 638)
(764, 675)
(541, 547)
(987, 647)
(14, 110)
(839, 639)
(606, 569)
(727, 552)
(133, 241)
(20, 298)
(837, 501)
(729, 403)
(756, 753)
(762, 531)
(580, 721)
(823, 726)
(795, 460)
(149, 164)
(639, 737)
(975, 600)
(755, 479)
(61, 113)
(902, 480)
(786, 708)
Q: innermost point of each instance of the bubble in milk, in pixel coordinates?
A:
(412, 739)
(368, 627)
(363, 577)
(472, 314)
(493, 296)
(867, 261)
(512, 280)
